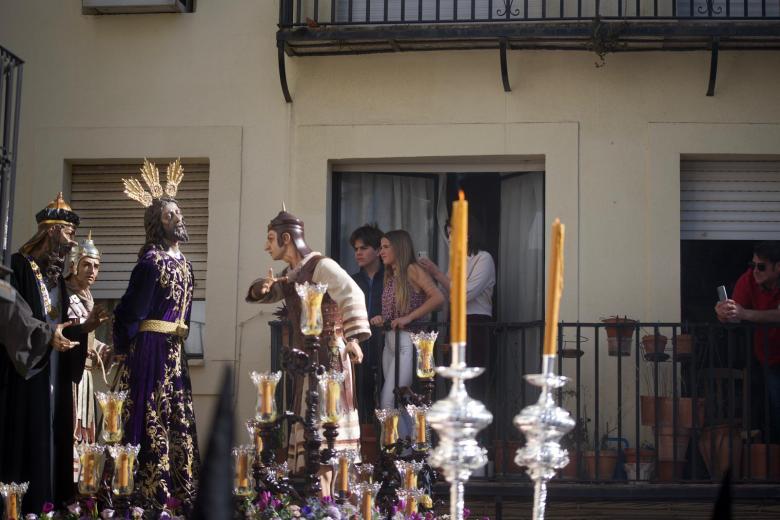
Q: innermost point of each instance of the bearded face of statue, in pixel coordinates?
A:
(173, 223)
(60, 241)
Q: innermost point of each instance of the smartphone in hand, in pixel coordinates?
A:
(722, 294)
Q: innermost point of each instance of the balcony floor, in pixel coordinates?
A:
(622, 36)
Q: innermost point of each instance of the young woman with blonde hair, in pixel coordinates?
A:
(409, 295)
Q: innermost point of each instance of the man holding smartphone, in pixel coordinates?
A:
(756, 299)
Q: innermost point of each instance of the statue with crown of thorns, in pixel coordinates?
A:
(150, 325)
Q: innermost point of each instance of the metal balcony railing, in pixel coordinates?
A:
(312, 13)
(657, 402)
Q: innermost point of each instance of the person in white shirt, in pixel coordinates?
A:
(480, 282)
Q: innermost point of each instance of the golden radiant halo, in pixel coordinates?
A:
(151, 176)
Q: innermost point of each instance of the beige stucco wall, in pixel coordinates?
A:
(206, 85)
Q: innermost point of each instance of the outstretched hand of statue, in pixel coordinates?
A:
(98, 315)
(267, 283)
(59, 342)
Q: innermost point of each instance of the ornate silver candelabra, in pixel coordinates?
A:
(458, 419)
(543, 424)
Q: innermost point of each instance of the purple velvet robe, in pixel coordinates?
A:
(159, 413)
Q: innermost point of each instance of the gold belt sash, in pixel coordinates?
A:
(164, 327)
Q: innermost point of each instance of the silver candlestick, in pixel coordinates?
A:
(457, 419)
(543, 424)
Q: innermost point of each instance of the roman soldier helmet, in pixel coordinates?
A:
(286, 222)
(86, 249)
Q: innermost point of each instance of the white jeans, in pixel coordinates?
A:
(405, 371)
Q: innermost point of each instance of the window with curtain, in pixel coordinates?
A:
(392, 201)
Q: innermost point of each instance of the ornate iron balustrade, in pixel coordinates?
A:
(694, 394)
(314, 13)
(328, 27)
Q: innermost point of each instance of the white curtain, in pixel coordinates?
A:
(520, 292)
(390, 201)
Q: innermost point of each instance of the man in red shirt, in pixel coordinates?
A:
(756, 299)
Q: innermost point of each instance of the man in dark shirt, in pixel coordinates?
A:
(370, 279)
(756, 299)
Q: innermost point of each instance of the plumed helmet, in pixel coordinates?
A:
(86, 249)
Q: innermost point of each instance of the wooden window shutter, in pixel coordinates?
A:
(730, 200)
(117, 223)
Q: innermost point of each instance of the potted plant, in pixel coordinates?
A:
(619, 334)
(684, 344)
(654, 346)
(645, 455)
(574, 442)
(605, 457)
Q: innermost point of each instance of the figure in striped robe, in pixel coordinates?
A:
(345, 322)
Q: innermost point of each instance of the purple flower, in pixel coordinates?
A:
(466, 512)
(275, 503)
(74, 509)
(333, 512)
(165, 515)
(306, 510)
(263, 500)
(48, 507)
(172, 503)
(327, 500)
(89, 504)
(137, 512)
(107, 514)
(428, 516)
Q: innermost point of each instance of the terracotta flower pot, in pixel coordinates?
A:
(619, 338)
(671, 446)
(665, 405)
(758, 462)
(714, 448)
(684, 344)
(668, 470)
(654, 344)
(569, 472)
(607, 462)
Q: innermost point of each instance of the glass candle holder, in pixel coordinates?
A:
(266, 382)
(330, 396)
(364, 472)
(123, 481)
(282, 470)
(311, 307)
(111, 404)
(424, 342)
(91, 460)
(408, 471)
(421, 437)
(342, 464)
(243, 482)
(367, 493)
(411, 497)
(388, 418)
(253, 428)
(12, 497)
